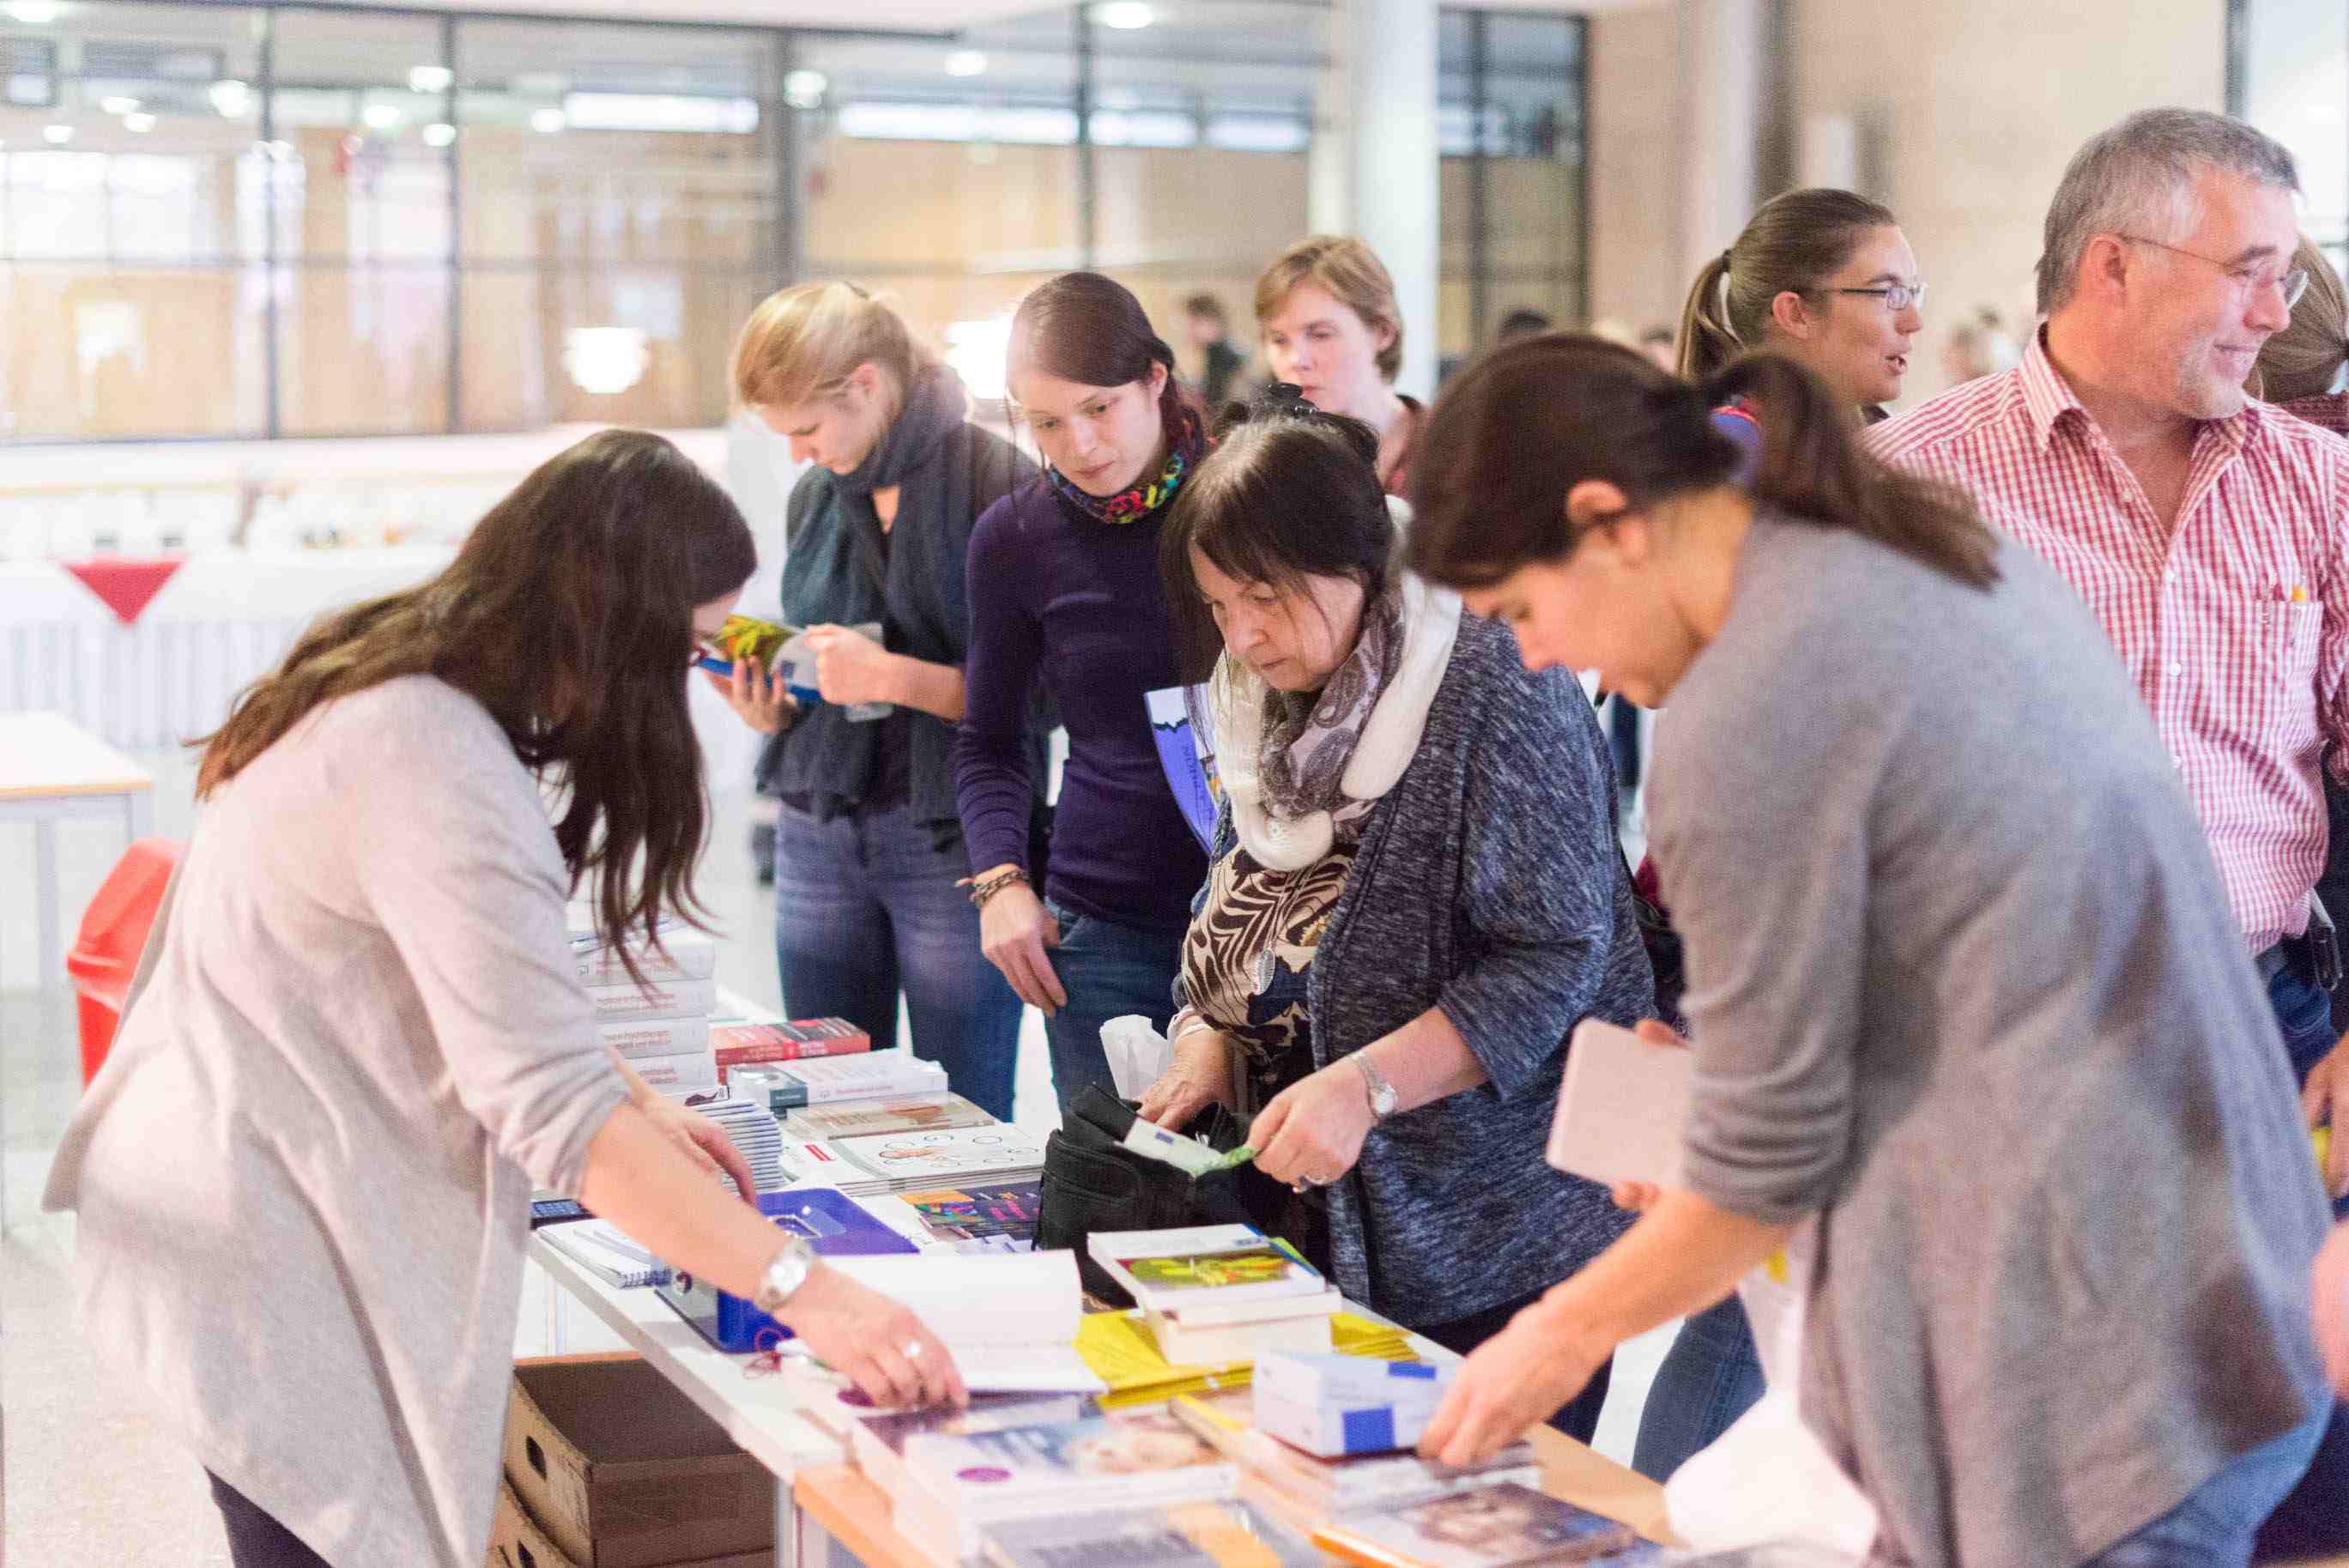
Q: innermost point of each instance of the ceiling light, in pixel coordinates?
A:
(605, 361)
(138, 122)
(440, 134)
(381, 115)
(232, 98)
(118, 104)
(429, 79)
(1125, 16)
(549, 120)
(34, 13)
(805, 89)
(966, 62)
(56, 135)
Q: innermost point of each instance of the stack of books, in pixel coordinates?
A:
(957, 1488)
(1301, 1486)
(754, 1131)
(1120, 1348)
(1011, 1321)
(1334, 1406)
(877, 1438)
(1214, 1293)
(754, 1043)
(786, 1087)
(609, 1252)
(661, 1027)
(894, 1113)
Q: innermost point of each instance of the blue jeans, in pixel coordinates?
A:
(865, 907)
(2214, 1526)
(1709, 1378)
(1108, 970)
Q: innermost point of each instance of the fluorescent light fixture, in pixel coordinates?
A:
(381, 115)
(34, 13)
(1125, 16)
(56, 135)
(805, 89)
(548, 120)
(429, 79)
(440, 134)
(660, 111)
(605, 360)
(966, 63)
(118, 104)
(138, 121)
(232, 98)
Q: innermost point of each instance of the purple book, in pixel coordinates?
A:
(834, 1224)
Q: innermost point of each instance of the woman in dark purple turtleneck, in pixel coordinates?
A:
(1063, 584)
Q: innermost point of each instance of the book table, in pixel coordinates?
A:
(827, 1515)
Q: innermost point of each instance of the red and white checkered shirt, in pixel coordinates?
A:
(2235, 626)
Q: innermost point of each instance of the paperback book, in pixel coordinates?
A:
(1010, 1319)
(679, 1076)
(893, 1074)
(1248, 1331)
(1169, 1271)
(747, 1045)
(877, 1438)
(638, 1038)
(976, 1216)
(625, 1002)
(1333, 1405)
(906, 1113)
(907, 1162)
(959, 1486)
(1174, 1536)
(1500, 1525)
(684, 953)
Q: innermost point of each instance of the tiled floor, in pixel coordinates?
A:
(89, 1476)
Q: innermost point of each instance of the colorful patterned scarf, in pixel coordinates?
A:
(1144, 496)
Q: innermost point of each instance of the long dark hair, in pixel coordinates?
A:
(1524, 425)
(568, 613)
(1289, 492)
(1090, 329)
(1796, 241)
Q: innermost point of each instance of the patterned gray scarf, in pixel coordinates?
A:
(1309, 738)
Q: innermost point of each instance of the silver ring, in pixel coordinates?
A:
(912, 1350)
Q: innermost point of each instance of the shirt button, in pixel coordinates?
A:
(2176, 666)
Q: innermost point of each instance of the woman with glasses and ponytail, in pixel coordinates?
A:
(1974, 1056)
(1826, 278)
(1064, 587)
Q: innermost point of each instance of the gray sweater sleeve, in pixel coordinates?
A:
(1537, 879)
(1764, 853)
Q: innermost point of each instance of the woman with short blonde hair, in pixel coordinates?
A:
(1326, 315)
(868, 843)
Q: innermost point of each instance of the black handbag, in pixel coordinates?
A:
(1093, 1182)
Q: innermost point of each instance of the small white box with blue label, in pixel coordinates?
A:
(1331, 1406)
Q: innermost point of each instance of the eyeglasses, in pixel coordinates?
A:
(2248, 280)
(1897, 297)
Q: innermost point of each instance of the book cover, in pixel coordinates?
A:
(689, 1073)
(1220, 1314)
(945, 1154)
(1181, 1342)
(877, 1438)
(1169, 1270)
(1321, 1486)
(907, 1113)
(684, 953)
(835, 1225)
(740, 1043)
(976, 1216)
(1504, 1525)
(1174, 1535)
(1066, 1467)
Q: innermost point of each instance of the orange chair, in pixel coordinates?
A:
(113, 933)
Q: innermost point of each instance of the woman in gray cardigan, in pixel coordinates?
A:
(1416, 892)
(1989, 1061)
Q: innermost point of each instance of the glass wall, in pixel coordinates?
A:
(300, 219)
(2289, 75)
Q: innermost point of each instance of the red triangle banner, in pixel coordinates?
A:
(126, 584)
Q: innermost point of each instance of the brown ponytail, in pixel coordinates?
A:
(2304, 359)
(1793, 244)
(1521, 426)
(1090, 329)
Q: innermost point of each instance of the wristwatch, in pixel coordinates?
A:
(1383, 1098)
(784, 1276)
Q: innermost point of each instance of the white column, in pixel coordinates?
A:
(1721, 50)
(1373, 170)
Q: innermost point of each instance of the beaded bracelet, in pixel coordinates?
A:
(983, 889)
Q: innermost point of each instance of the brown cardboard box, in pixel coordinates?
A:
(516, 1542)
(618, 1469)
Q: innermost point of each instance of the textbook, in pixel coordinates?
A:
(677, 1076)
(907, 1162)
(1333, 1405)
(971, 1216)
(625, 1002)
(892, 1074)
(1174, 1535)
(958, 1487)
(684, 953)
(1246, 1332)
(1500, 1525)
(903, 1113)
(747, 1045)
(1167, 1271)
(1320, 1487)
(638, 1037)
(877, 1438)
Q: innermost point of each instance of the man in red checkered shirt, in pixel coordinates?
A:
(2209, 532)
